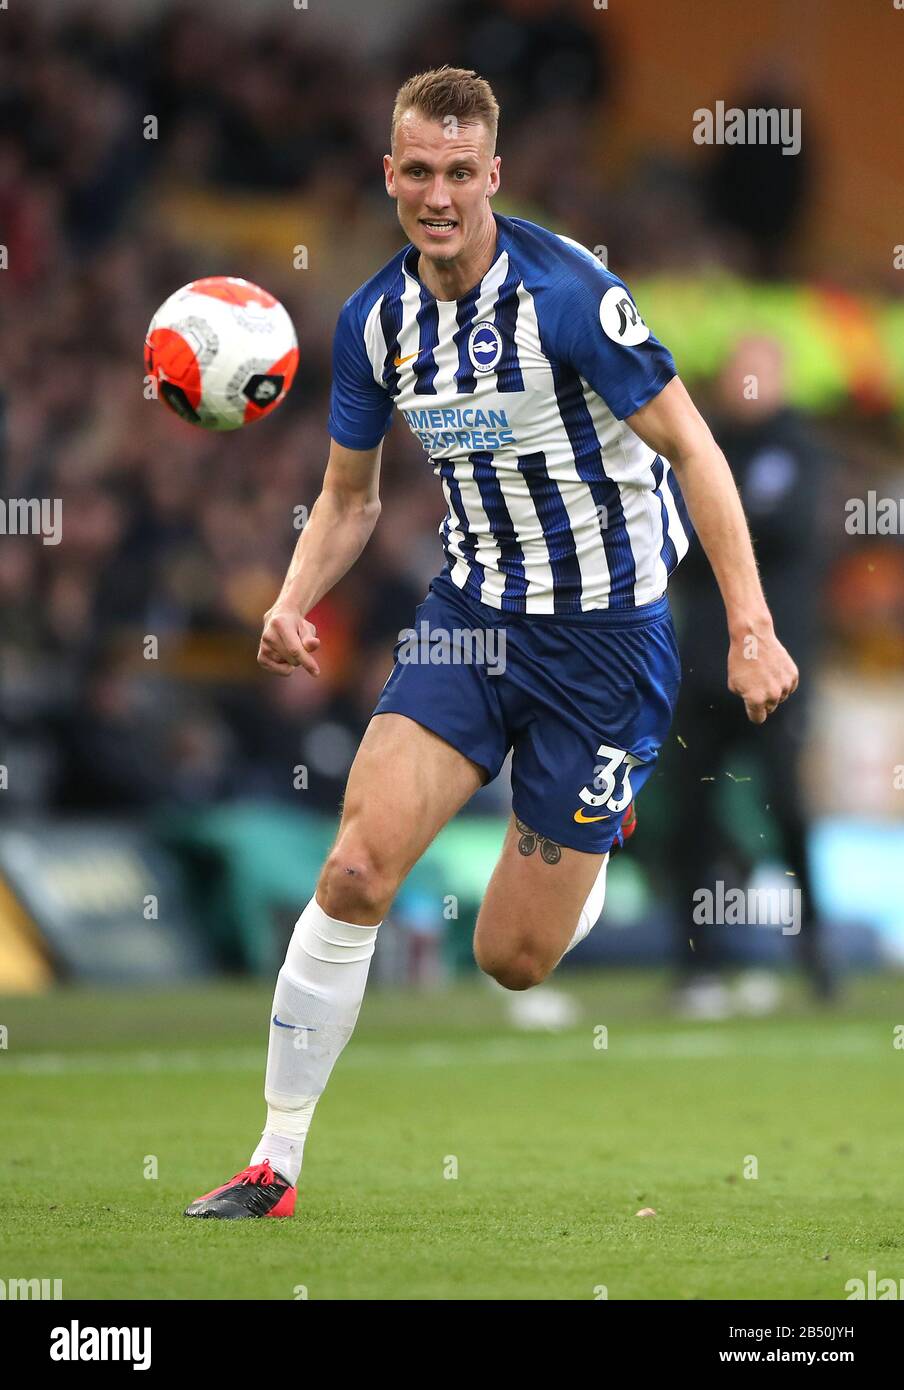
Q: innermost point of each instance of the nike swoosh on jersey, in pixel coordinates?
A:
(400, 361)
(585, 820)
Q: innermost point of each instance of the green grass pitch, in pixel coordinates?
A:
(557, 1142)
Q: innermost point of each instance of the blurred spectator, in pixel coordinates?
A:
(536, 56)
(757, 191)
(784, 474)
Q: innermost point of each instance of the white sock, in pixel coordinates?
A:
(315, 1007)
(592, 909)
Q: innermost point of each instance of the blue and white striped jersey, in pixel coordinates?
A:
(518, 393)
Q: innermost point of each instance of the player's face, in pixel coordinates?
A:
(442, 177)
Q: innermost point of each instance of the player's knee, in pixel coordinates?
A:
(353, 885)
(520, 970)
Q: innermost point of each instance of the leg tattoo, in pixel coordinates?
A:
(550, 852)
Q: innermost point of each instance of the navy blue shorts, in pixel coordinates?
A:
(583, 701)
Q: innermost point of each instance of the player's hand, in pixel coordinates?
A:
(288, 641)
(762, 673)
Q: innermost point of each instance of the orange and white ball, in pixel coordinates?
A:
(223, 352)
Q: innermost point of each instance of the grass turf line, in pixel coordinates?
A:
(557, 1144)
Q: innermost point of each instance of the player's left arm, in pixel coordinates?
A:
(760, 670)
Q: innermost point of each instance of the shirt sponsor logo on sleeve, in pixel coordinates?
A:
(620, 318)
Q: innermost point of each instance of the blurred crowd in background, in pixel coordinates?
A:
(265, 139)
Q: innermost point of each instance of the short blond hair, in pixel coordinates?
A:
(444, 92)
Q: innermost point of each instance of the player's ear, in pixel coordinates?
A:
(389, 175)
(493, 182)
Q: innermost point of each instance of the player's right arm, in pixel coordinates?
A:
(346, 511)
(337, 530)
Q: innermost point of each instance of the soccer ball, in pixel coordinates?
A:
(222, 351)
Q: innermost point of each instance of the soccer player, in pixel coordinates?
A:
(570, 455)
